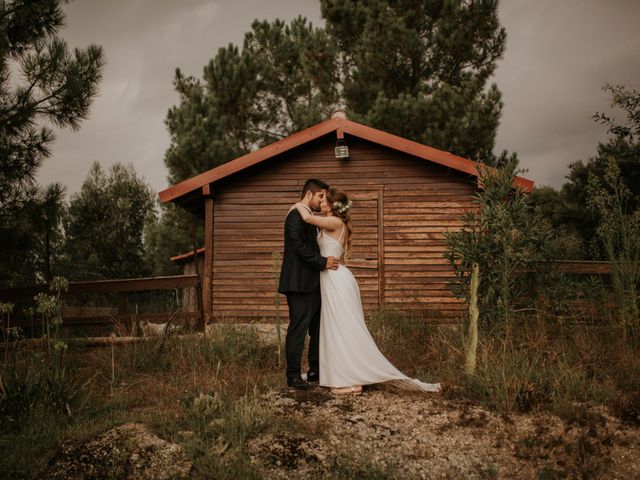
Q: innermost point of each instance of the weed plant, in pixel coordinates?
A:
(37, 397)
(544, 364)
(216, 387)
(415, 345)
(155, 381)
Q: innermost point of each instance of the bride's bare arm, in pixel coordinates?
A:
(328, 223)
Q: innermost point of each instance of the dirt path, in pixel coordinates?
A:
(418, 436)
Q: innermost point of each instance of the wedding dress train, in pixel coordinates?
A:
(348, 354)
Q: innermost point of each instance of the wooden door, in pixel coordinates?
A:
(366, 259)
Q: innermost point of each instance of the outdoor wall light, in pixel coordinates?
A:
(342, 150)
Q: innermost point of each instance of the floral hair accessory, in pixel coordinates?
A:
(341, 207)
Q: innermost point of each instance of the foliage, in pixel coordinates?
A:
(567, 210)
(32, 235)
(37, 395)
(168, 235)
(556, 209)
(629, 101)
(42, 83)
(50, 307)
(412, 69)
(105, 224)
(404, 67)
(49, 230)
(504, 237)
(619, 231)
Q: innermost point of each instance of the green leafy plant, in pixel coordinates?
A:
(504, 237)
(619, 232)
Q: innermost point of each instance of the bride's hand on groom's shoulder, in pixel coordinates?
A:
(302, 208)
(295, 205)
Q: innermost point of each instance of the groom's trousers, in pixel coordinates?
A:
(304, 317)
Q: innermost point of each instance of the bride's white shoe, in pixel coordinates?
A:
(353, 390)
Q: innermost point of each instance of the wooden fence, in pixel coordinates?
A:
(122, 287)
(74, 317)
(584, 267)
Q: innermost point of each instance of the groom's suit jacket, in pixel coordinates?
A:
(301, 262)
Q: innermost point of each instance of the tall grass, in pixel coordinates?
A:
(541, 366)
(276, 267)
(38, 401)
(619, 231)
(37, 396)
(155, 381)
(217, 386)
(417, 345)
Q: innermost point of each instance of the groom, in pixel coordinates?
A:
(300, 282)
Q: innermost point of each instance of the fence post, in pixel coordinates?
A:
(122, 307)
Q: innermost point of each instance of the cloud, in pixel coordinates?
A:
(558, 57)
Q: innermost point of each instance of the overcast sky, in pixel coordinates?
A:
(559, 54)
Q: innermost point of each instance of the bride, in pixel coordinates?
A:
(349, 357)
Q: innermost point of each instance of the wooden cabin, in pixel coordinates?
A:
(405, 197)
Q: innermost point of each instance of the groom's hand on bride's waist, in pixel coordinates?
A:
(332, 263)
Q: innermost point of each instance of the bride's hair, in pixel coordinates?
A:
(340, 205)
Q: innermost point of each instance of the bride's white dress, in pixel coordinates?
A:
(348, 354)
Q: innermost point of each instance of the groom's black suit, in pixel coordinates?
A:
(300, 282)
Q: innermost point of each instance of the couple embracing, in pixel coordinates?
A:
(324, 300)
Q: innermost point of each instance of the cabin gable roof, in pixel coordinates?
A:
(341, 126)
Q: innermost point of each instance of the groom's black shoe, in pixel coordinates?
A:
(313, 377)
(298, 383)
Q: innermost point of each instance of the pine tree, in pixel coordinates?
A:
(58, 87)
(296, 73)
(41, 83)
(105, 225)
(416, 69)
(198, 132)
(420, 69)
(281, 82)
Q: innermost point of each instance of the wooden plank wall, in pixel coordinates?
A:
(418, 201)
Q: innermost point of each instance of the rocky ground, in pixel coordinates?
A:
(429, 437)
(403, 435)
(129, 451)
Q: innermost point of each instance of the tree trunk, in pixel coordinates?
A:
(474, 313)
